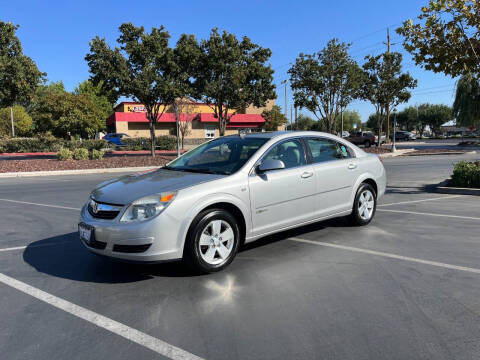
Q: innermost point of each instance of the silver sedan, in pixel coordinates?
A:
(229, 191)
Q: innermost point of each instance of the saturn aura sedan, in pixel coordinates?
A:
(232, 190)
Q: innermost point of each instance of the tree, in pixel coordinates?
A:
(142, 68)
(63, 114)
(349, 119)
(274, 118)
(385, 85)
(96, 95)
(184, 114)
(326, 82)
(23, 122)
(466, 107)
(372, 122)
(407, 118)
(435, 115)
(304, 122)
(19, 75)
(228, 74)
(446, 38)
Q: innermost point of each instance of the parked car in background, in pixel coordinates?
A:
(229, 191)
(365, 138)
(116, 138)
(403, 136)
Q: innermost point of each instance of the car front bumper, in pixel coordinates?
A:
(154, 240)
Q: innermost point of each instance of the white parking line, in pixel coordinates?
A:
(136, 336)
(32, 246)
(388, 255)
(430, 214)
(37, 204)
(422, 200)
(14, 248)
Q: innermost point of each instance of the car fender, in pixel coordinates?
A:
(207, 201)
(360, 179)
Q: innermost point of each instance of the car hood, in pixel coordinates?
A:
(129, 188)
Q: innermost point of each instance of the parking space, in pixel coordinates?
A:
(405, 287)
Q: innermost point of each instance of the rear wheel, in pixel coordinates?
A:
(212, 241)
(367, 144)
(364, 205)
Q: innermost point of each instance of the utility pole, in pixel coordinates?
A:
(387, 130)
(11, 120)
(286, 106)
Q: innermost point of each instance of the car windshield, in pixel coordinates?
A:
(221, 156)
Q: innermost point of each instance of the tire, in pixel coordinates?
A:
(359, 217)
(207, 249)
(367, 144)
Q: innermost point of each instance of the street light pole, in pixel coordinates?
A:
(286, 105)
(394, 129)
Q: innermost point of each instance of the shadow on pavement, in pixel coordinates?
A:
(65, 257)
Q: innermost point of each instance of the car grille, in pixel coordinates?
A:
(103, 210)
(131, 248)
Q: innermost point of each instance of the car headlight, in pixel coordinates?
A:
(148, 207)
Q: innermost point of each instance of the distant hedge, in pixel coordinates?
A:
(466, 174)
(162, 143)
(47, 144)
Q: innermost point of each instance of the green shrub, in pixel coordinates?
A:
(466, 174)
(80, 154)
(162, 143)
(96, 154)
(64, 154)
(26, 145)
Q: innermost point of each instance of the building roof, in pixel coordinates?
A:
(237, 120)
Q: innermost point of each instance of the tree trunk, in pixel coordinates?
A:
(152, 137)
(221, 125)
(379, 123)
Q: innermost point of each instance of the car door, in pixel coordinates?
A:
(336, 172)
(285, 197)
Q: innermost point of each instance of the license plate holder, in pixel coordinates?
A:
(86, 232)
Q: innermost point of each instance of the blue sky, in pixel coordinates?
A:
(56, 33)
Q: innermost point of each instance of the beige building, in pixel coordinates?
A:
(130, 118)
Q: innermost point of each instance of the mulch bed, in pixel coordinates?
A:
(377, 150)
(53, 164)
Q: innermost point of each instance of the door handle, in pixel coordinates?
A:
(307, 174)
(352, 166)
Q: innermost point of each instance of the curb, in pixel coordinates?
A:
(399, 152)
(75, 172)
(443, 189)
(444, 153)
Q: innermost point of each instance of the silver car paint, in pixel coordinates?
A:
(269, 203)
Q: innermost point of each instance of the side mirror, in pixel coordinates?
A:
(269, 165)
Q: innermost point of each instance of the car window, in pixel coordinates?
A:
(224, 155)
(323, 150)
(290, 152)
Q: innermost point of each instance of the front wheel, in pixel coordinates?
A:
(364, 205)
(212, 241)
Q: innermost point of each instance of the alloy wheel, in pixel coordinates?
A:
(366, 203)
(216, 242)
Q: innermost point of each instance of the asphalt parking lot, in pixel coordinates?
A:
(405, 287)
